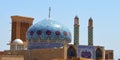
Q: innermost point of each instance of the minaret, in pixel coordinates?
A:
(90, 32)
(76, 31)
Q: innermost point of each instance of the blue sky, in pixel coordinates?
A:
(105, 13)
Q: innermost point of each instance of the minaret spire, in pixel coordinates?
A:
(76, 31)
(90, 32)
(49, 12)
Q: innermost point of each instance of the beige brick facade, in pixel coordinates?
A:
(109, 55)
(38, 54)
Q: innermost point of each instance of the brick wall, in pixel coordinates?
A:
(38, 54)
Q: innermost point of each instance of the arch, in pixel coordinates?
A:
(98, 53)
(71, 52)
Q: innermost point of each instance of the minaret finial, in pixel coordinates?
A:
(49, 12)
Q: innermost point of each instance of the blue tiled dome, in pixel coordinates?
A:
(48, 31)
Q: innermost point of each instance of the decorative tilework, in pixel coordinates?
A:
(48, 31)
(86, 52)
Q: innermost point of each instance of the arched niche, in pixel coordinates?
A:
(98, 53)
(71, 52)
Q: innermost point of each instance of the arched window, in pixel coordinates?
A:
(98, 53)
(71, 52)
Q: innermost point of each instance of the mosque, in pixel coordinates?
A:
(50, 40)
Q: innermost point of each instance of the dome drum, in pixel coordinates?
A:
(43, 45)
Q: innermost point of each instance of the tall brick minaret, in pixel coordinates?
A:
(90, 32)
(76, 31)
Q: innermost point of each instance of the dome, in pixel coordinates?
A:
(49, 31)
(18, 41)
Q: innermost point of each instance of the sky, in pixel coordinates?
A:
(105, 15)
